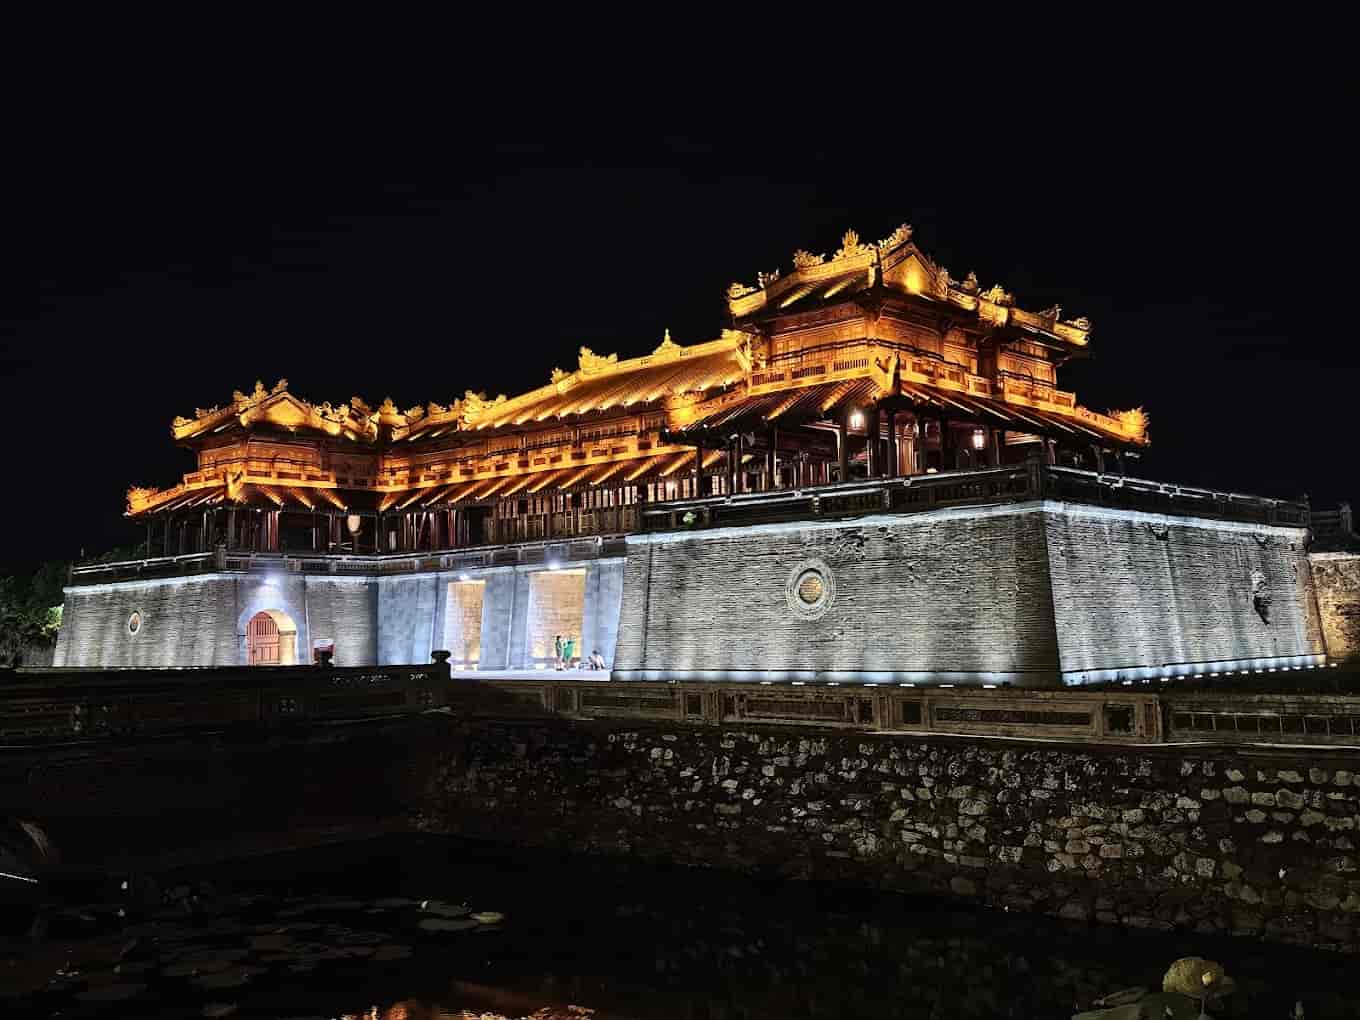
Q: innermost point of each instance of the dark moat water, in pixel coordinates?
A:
(341, 932)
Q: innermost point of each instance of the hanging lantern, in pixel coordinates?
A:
(979, 439)
(352, 522)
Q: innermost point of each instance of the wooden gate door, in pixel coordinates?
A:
(262, 641)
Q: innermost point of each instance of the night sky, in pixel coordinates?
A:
(155, 261)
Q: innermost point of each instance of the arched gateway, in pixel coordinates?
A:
(271, 639)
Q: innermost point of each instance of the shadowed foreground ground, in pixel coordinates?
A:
(340, 931)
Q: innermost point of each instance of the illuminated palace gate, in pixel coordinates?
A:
(852, 384)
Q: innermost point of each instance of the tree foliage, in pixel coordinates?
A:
(30, 611)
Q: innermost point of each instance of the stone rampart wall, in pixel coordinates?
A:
(1141, 590)
(184, 622)
(1022, 593)
(1202, 839)
(955, 591)
(201, 621)
(1336, 579)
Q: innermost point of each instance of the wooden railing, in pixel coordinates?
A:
(1147, 716)
(918, 493)
(606, 526)
(563, 548)
(40, 707)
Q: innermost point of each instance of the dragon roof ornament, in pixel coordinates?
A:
(592, 363)
(1134, 422)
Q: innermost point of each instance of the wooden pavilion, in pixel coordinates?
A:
(870, 362)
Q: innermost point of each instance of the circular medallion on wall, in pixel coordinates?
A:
(810, 589)
(134, 623)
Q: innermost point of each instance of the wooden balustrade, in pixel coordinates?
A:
(60, 706)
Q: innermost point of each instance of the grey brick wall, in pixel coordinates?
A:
(1018, 593)
(202, 621)
(943, 593)
(1021, 593)
(184, 623)
(406, 618)
(345, 610)
(1133, 589)
(497, 606)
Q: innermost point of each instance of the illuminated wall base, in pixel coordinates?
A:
(1195, 670)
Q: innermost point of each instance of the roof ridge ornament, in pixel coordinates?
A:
(896, 239)
(803, 259)
(668, 349)
(998, 295)
(591, 363)
(474, 405)
(850, 247)
(1134, 421)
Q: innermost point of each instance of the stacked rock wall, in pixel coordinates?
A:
(1203, 839)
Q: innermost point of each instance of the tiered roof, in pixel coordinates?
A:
(446, 453)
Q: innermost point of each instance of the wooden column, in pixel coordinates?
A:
(774, 457)
(698, 467)
(843, 445)
(872, 455)
(1100, 457)
(890, 454)
(995, 446)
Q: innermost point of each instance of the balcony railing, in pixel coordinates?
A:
(919, 493)
(585, 534)
(563, 549)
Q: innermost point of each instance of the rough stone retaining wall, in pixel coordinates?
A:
(1206, 839)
